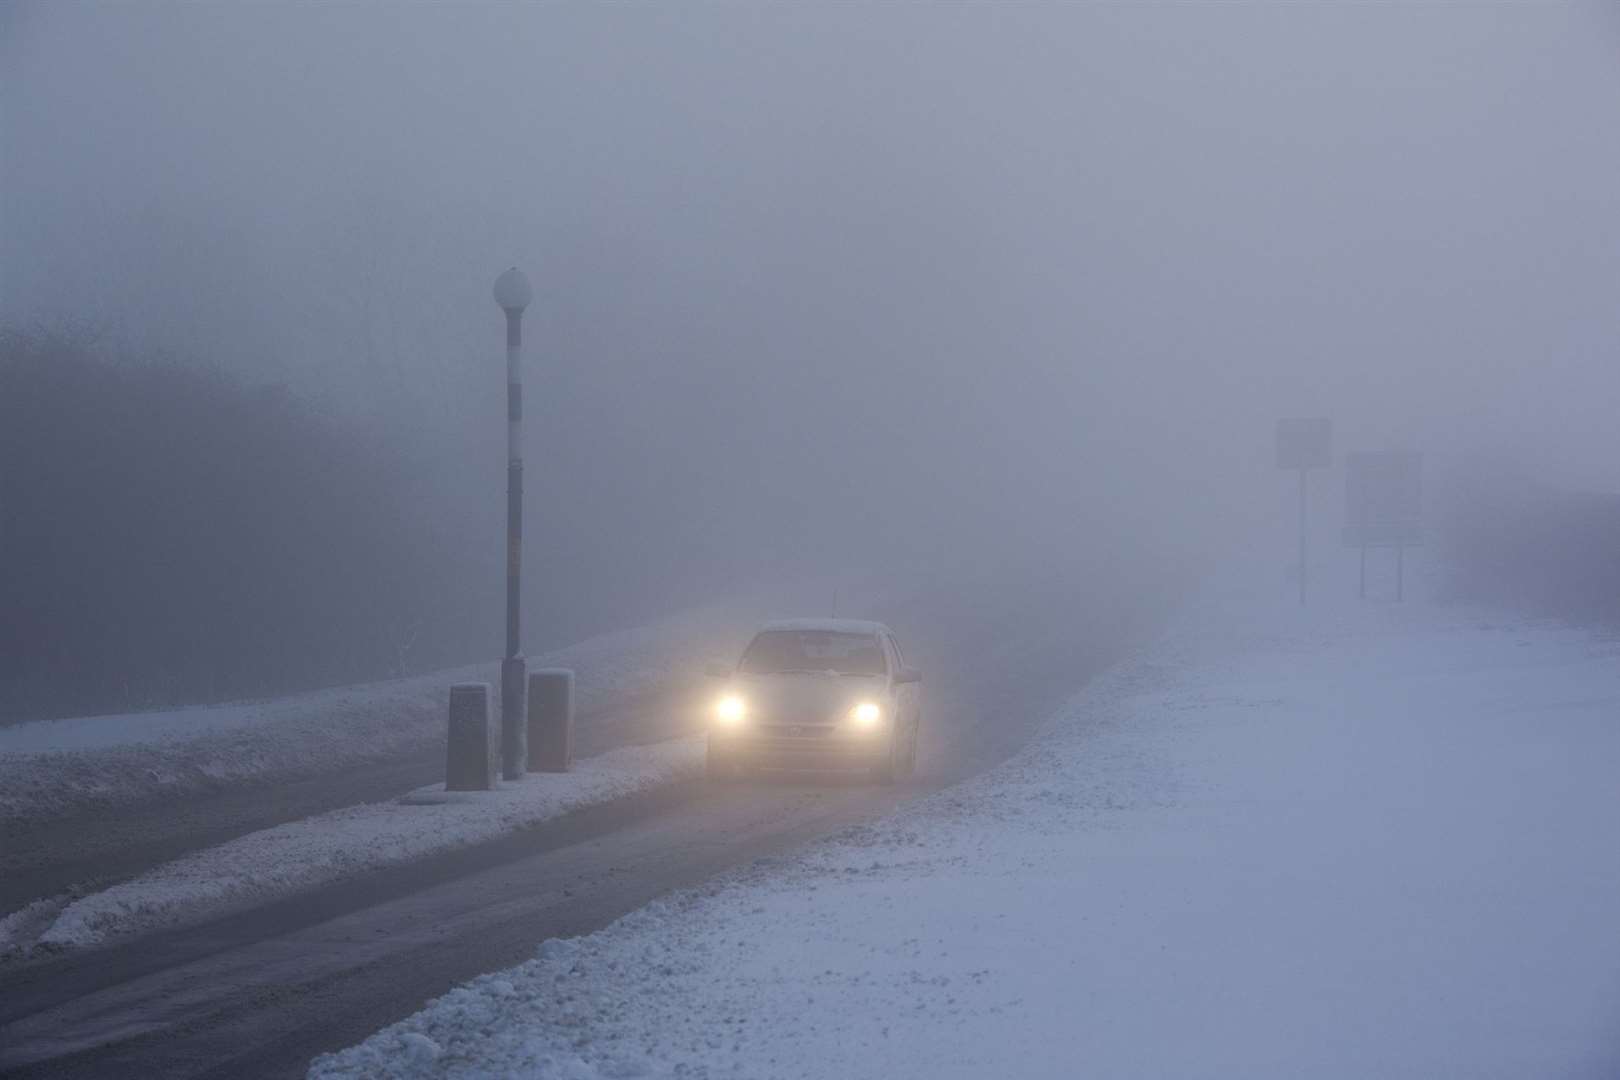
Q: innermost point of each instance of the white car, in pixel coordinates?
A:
(817, 694)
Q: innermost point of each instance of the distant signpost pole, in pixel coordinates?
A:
(1304, 443)
(512, 293)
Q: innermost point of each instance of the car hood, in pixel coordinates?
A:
(806, 698)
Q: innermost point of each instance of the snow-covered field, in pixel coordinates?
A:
(53, 767)
(278, 862)
(1366, 841)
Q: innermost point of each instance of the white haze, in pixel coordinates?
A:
(850, 286)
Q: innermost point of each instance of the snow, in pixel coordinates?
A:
(278, 862)
(1348, 841)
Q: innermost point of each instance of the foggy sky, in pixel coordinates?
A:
(852, 284)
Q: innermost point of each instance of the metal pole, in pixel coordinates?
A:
(514, 480)
(513, 294)
(1302, 536)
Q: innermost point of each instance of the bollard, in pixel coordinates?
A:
(470, 752)
(513, 727)
(551, 720)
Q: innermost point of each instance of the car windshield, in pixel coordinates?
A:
(813, 650)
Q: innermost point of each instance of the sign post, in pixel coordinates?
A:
(1384, 507)
(1304, 443)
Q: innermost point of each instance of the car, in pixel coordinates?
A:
(817, 694)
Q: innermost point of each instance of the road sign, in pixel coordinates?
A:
(1304, 442)
(1383, 499)
(1384, 507)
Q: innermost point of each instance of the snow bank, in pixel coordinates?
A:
(1372, 842)
(53, 767)
(290, 858)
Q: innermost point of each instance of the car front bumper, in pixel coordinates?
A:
(802, 746)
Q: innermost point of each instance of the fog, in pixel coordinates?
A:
(854, 289)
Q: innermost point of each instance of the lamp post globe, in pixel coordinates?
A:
(512, 291)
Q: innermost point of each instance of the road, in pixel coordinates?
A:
(261, 992)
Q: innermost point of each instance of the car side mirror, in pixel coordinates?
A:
(717, 671)
(907, 675)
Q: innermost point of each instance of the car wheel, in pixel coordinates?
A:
(911, 747)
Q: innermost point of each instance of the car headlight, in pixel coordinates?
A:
(730, 711)
(866, 716)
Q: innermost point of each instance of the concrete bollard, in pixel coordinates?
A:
(470, 752)
(514, 726)
(551, 720)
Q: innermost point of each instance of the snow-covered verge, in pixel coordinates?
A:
(54, 767)
(1367, 842)
(278, 862)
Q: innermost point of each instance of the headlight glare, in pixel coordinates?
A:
(865, 715)
(730, 710)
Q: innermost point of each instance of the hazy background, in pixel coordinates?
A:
(836, 289)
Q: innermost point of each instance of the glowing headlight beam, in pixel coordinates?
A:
(865, 715)
(730, 710)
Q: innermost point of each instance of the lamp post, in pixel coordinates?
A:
(512, 293)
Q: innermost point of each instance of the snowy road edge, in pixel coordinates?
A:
(274, 863)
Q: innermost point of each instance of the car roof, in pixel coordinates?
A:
(833, 626)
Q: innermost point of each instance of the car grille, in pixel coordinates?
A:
(819, 729)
